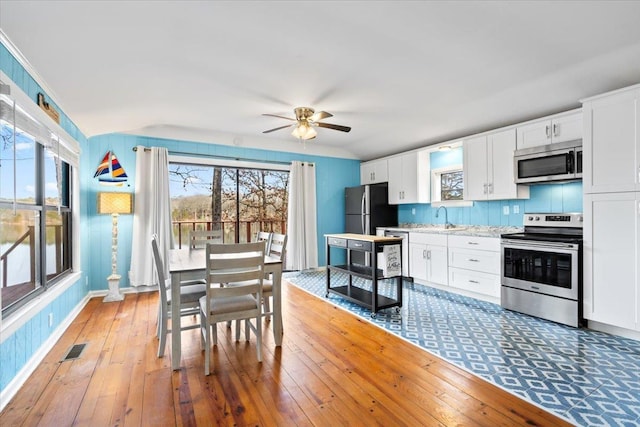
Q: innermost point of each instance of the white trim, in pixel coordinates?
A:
(22, 60)
(31, 108)
(21, 377)
(24, 314)
(213, 161)
(614, 330)
(436, 186)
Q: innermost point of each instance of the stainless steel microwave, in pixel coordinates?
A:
(547, 163)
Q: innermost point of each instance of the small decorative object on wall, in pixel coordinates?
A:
(110, 171)
(51, 112)
(114, 204)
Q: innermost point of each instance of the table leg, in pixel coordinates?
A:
(277, 306)
(175, 322)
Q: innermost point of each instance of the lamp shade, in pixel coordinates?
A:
(110, 203)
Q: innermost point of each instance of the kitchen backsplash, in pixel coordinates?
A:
(544, 198)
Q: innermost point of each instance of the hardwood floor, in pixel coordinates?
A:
(332, 369)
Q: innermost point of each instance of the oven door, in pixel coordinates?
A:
(543, 267)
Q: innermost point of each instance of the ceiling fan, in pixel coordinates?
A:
(305, 121)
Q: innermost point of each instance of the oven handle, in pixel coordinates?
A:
(524, 244)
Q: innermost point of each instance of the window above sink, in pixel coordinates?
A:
(447, 185)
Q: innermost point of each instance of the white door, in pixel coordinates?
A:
(395, 180)
(566, 128)
(500, 150)
(611, 259)
(611, 143)
(534, 134)
(418, 261)
(475, 168)
(410, 178)
(437, 271)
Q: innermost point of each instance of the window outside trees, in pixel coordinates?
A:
(35, 216)
(238, 201)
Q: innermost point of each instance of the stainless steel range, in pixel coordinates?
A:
(541, 269)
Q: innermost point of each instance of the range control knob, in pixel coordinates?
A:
(530, 218)
(537, 218)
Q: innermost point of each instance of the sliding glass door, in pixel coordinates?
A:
(238, 201)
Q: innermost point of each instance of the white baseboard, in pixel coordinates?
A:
(18, 381)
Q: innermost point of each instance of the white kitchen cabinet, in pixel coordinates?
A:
(488, 167)
(428, 257)
(409, 180)
(611, 259)
(550, 130)
(611, 143)
(373, 172)
(474, 264)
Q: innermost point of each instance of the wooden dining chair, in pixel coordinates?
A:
(190, 293)
(264, 236)
(277, 249)
(242, 265)
(198, 239)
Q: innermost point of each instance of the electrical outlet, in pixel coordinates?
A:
(413, 211)
(505, 210)
(516, 209)
(50, 319)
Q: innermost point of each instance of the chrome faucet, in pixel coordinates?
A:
(446, 217)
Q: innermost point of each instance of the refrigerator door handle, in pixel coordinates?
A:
(362, 212)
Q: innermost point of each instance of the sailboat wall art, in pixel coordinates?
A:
(110, 171)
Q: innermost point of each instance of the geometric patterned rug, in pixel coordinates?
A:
(587, 377)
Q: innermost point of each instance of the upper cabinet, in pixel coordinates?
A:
(611, 142)
(373, 172)
(409, 178)
(488, 167)
(560, 128)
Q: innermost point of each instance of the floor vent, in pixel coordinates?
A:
(74, 352)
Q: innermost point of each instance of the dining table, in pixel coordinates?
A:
(189, 264)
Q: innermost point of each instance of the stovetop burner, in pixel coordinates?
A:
(550, 227)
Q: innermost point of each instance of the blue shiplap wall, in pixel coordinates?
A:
(17, 348)
(332, 176)
(543, 198)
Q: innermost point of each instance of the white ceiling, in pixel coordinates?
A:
(402, 74)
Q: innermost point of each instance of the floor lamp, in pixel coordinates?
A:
(114, 204)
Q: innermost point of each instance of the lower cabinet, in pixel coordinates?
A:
(428, 257)
(474, 264)
(611, 259)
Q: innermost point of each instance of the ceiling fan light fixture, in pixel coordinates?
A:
(304, 131)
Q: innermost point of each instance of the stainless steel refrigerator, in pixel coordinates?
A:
(367, 207)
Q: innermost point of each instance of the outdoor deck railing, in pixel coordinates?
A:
(248, 229)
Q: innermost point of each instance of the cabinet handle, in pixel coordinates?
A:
(473, 281)
(473, 260)
(472, 243)
(484, 186)
(490, 185)
(547, 131)
(428, 254)
(556, 129)
(424, 254)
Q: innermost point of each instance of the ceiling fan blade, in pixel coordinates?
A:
(335, 127)
(278, 128)
(320, 115)
(280, 117)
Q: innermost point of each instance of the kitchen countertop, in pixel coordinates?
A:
(460, 230)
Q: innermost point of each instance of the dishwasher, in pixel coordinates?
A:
(404, 235)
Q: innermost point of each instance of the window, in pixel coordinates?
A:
(239, 201)
(35, 206)
(447, 188)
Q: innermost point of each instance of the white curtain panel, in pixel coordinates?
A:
(302, 243)
(151, 215)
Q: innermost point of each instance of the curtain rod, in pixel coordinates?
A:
(239, 159)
